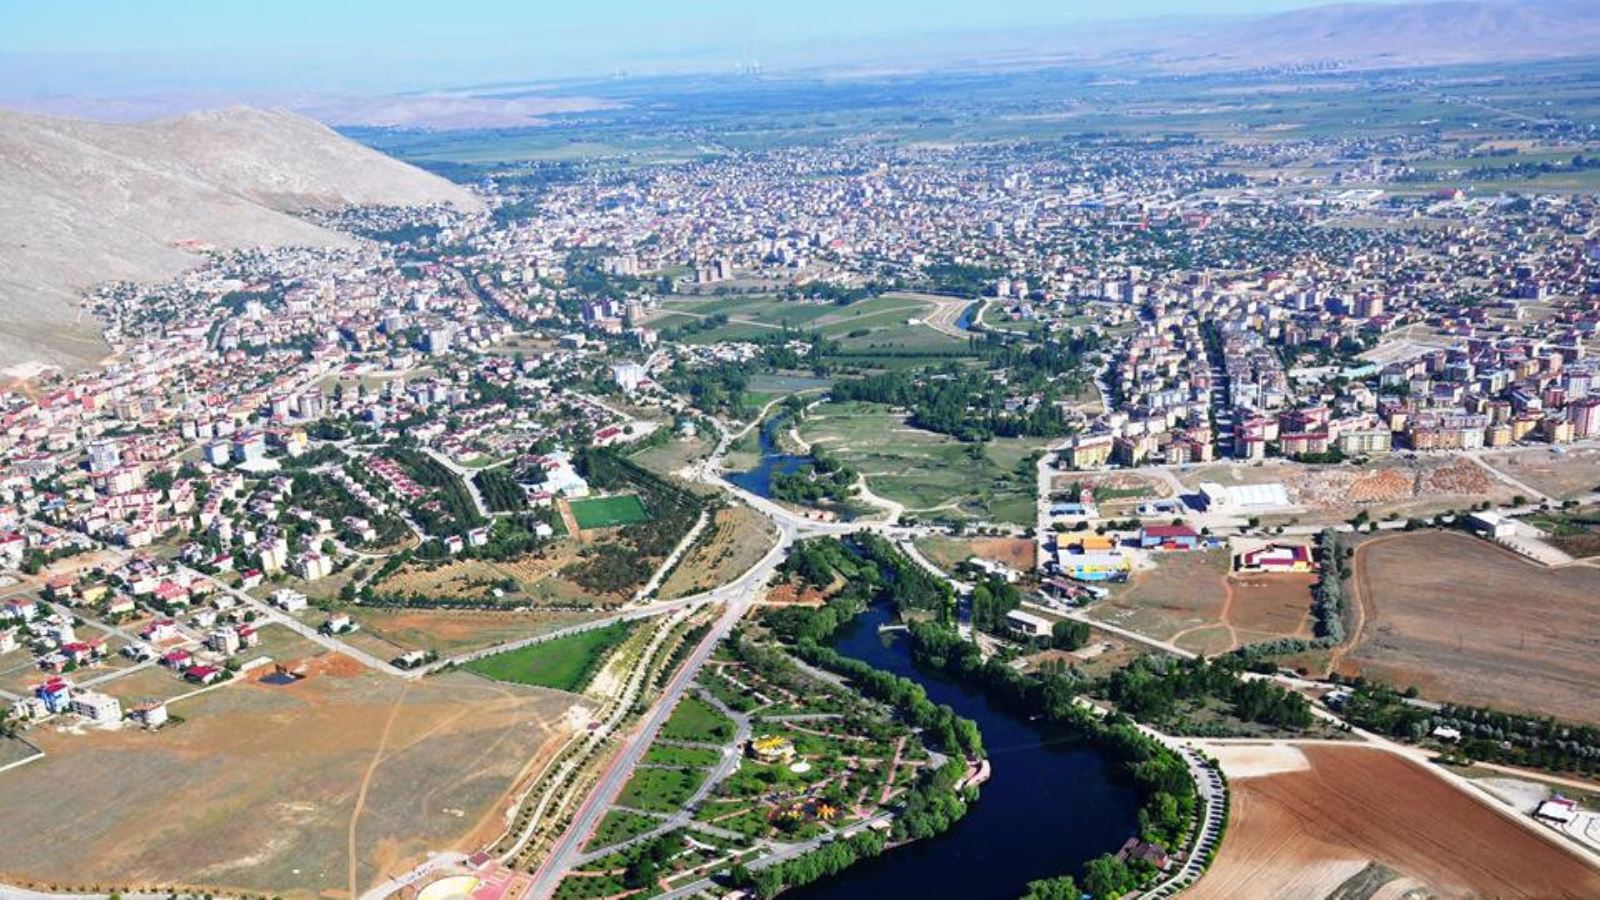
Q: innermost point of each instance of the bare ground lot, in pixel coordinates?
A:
(1402, 484)
(739, 537)
(1465, 621)
(949, 552)
(1305, 833)
(450, 632)
(537, 575)
(1270, 605)
(1560, 475)
(1184, 591)
(258, 788)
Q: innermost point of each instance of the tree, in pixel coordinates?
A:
(1107, 877)
(1069, 635)
(1062, 888)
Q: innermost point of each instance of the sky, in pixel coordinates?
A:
(110, 48)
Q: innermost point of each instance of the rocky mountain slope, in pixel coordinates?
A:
(84, 202)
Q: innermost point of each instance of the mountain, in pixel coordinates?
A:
(1369, 35)
(85, 202)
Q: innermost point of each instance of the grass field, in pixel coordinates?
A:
(566, 664)
(263, 789)
(914, 467)
(620, 825)
(1359, 822)
(608, 512)
(698, 721)
(1469, 622)
(660, 790)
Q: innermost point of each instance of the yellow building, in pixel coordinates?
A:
(772, 749)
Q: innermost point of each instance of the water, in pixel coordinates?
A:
(965, 322)
(1050, 806)
(758, 481)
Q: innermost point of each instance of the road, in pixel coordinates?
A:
(274, 614)
(737, 596)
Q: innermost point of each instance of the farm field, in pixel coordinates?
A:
(1376, 825)
(565, 664)
(735, 540)
(1566, 475)
(449, 632)
(912, 466)
(1468, 622)
(282, 767)
(608, 512)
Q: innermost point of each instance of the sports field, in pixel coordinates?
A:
(608, 512)
(566, 664)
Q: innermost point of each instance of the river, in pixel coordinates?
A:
(1050, 805)
(758, 481)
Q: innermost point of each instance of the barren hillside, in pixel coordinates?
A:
(83, 202)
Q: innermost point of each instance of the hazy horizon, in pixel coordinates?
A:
(107, 50)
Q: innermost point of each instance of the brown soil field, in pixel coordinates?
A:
(1018, 553)
(948, 552)
(448, 632)
(1561, 475)
(1304, 834)
(1184, 591)
(1267, 606)
(1466, 621)
(261, 788)
(734, 541)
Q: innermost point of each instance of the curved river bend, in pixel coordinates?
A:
(1050, 806)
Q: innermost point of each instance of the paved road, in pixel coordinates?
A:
(274, 614)
(738, 597)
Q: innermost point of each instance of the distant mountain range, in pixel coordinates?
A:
(85, 202)
(1367, 35)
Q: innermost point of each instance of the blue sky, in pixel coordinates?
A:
(114, 47)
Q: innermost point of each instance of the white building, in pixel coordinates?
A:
(97, 707)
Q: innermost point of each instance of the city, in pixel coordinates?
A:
(981, 483)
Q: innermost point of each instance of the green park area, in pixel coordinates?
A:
(934, 475)
(566, 664)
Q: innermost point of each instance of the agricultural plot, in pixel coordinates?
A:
(315, 786)
(1326, 821)
(1468, 622)
(608, 512)
(914, 467)
(565, 664)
